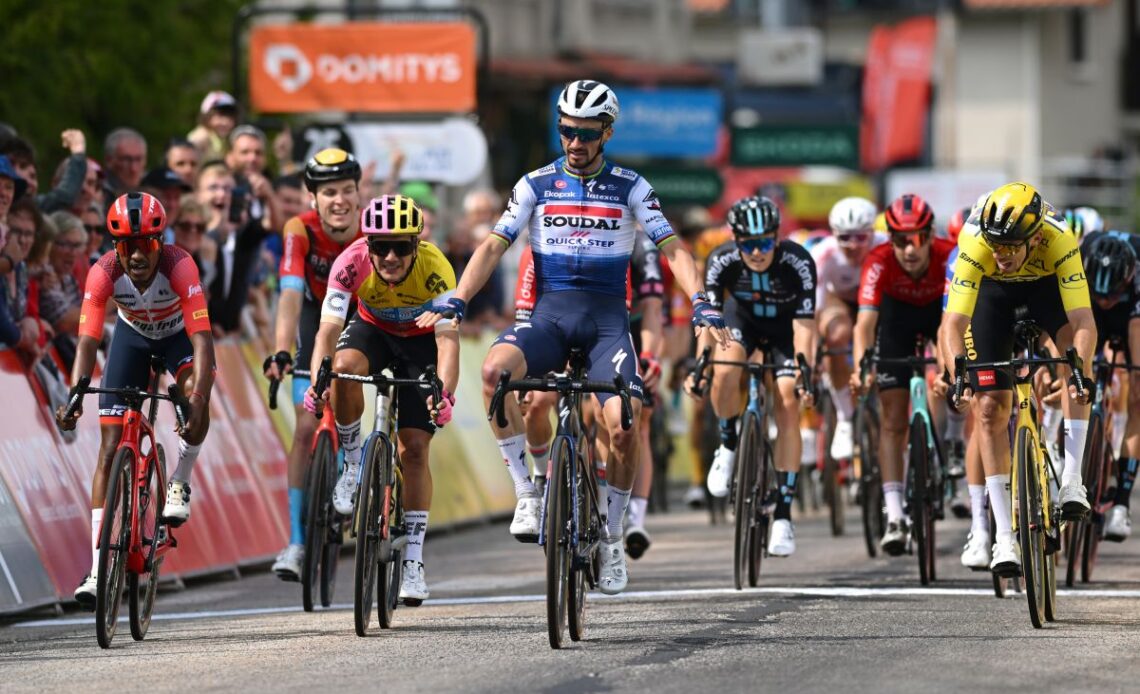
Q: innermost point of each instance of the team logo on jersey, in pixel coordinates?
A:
(347, 276)
(651, 201)
(435, 284)
(560, 184)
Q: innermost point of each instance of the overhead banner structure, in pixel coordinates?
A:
(452, 151)
(666, 122)
(372, 67)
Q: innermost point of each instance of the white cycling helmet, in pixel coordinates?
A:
(1090, 219)
(852, 215)
(589, 99)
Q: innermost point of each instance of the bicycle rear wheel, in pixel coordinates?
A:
(763, 495)
(1030, 531)
(319, 502)
(140, 593)
(747, 460)
(870, 482)
(588, 535)
(833, 491)
(919, 475)
(558, 539)
(1098, 465)
(368, 505)
(114, 545)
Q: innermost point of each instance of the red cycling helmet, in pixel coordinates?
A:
(909, 214)
(954, 226)
(136, 214)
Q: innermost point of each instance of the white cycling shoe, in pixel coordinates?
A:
(976, 553)
(176, 511)
(694, 497)
(894, 537)
(1007, 558)
(613, 577)
(782, 541)
(720, 475)
(1074, 500)
(288, 564)
(85, 593)
(842, 441)
(528, 516)
(344, 494)
(1118, 525)
(413, 587)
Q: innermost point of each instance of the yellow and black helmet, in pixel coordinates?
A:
(1012, 214)
(331, 164)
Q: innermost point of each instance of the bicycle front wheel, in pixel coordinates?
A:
(114, 546)
(319, 506)
(368, 511)
(744, 507)
(920, 515)
(1098, 464)
(141, 594)
(558, 539)
(588, 534)
(870, 482)
(1030, 529)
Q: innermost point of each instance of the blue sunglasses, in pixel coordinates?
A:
(584, 134)
(758, 243)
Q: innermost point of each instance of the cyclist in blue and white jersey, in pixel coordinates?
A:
(582, 213)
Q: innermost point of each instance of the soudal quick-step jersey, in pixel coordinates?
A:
(583, 228)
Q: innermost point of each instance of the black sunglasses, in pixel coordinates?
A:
(402, 249)
(93, 228)
(584, 134)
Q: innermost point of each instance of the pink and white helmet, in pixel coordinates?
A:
(391, 215)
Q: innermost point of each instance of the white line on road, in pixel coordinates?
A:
(811, 591)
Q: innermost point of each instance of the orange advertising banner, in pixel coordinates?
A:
(363, 66)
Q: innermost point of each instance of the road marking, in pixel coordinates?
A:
(683, 594)
(11, 581)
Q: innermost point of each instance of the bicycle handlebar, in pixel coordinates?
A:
(753, 368)
(1074, 362)
(325, 375)
(275, 383)
(174, 395)
(562, 385)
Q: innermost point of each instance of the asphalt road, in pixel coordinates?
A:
(827, 619)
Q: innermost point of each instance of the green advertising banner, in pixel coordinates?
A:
(796, 145)
(682, 185)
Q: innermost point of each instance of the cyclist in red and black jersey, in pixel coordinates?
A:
(162, 312)
(900, 299)
(312, 241)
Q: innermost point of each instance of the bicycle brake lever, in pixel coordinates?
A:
(77, 399)
(274, 384)
(626, 406)
(497, 400)
(959, 377)
(178, 399)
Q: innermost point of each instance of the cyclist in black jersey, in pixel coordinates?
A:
(766, 289)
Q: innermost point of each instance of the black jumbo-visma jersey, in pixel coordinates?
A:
(786, 290)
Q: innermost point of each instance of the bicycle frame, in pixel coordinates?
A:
(137, 430)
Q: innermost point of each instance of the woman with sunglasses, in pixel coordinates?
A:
(395, 277)
(900, 299)
(839, 262)
(767, 290)
(162, 311)
(1016, 258)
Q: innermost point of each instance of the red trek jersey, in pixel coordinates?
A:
(883, 276)
(174, 300)
(526, 287)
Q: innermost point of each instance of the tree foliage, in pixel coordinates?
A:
(96, 66)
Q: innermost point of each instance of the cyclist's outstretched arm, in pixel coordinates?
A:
(475, 275)
(686, 274)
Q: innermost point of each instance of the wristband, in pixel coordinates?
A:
(699, 296)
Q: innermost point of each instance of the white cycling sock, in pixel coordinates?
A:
(617, 500)
(541, 456)
(96, 529)
(1076, 431)
(844, 408)
(637, 507)
(513, 449)
(603, 486)
(349, 435)
(893, 496)
(980, 522)
(187, 454)
(416, 524)
(1051, 422)
(998, 487)
(955, 425)
(1119, 422)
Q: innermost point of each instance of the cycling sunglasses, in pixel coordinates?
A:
(584, 134)
(1004, 250)
(856, 237)
(758, 243)
(381, 248)
(917, 239)
(147, 244)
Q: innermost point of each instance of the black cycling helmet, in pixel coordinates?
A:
(331, 164)
(1110, 265)
(753, 216)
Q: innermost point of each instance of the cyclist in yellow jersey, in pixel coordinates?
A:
(1017, 260)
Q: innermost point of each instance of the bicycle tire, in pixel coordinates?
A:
(141, 595)
(1028, 510)
(832, 486)
(918, 475)
(761, 514)
(587, 536)
(1076, 550)
(998, 581)
(317, 499)
(1050, 609)
(1095, 480)
(334, 536)
(558, 539)
(870, 482)
(744, 479)
(114, 546)
(366, 567)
